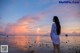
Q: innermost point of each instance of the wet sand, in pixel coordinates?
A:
(40, 44)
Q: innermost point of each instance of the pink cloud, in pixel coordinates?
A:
(23, 25)
(16, 29)
(30, 19)
(1, 29)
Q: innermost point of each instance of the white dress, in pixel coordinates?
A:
(55, 38)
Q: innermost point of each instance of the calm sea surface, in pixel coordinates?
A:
(40, 44)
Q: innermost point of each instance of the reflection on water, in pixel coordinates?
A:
(20, 41)
(38, 40)
(71, 40)
(69, 44)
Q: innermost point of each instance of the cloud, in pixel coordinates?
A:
(27, 19)
(30, 19)
(15, 28)
(1, 29)
(23, 25)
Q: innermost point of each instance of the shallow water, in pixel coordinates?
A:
(40, 44)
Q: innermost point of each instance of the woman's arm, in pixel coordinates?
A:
(52, 30)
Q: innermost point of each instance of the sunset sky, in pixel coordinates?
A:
(35, 16)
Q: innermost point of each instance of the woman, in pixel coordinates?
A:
(55, 32)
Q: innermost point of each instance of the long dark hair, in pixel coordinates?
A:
(56, 20)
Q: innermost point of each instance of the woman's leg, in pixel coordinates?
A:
(58, 48)
(54, 45)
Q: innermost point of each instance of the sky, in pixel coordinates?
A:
(35, 16)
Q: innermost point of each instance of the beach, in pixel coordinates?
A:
(39, 44)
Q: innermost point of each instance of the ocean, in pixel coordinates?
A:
(39, 44)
